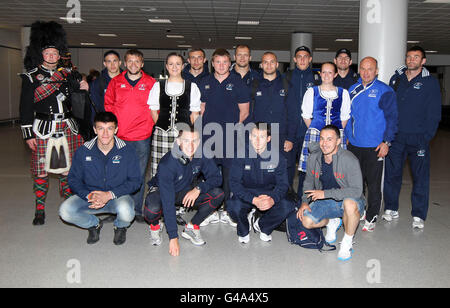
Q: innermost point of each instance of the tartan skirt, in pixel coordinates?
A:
(38, 157)
(313, 135)
(162, 142)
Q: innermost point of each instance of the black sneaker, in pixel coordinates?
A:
(120, 235)
(94, 233)
(39, 218)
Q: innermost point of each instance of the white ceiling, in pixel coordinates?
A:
(212, 23)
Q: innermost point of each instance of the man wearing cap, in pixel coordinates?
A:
(419, 113)
(301, 78)
(346, 77)
(47, 124)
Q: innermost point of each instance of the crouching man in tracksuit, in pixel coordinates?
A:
(104, 172)
(178, 183)
(259, 180)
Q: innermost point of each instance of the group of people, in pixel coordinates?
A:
(344, 131)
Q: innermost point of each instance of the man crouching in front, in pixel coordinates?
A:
(178, 183)
(104, 172)
(334, 186)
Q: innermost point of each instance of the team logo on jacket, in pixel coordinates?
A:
(229, 87)
(207, 87)
(247, 167)
(309, 85)
(282, 92)
(142, 87)
(123, 86)
(259, 93)
(88, 158)
(418, 85)
(116, 159)
(373, 92)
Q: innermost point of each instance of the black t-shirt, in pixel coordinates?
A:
(327, 177)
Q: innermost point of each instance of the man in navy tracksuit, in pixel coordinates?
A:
(370, 131)
(419, 112)
(196, 68)
(179, 182)
(346, 77)
(301, 79)
(104, 172)
(259, 181)
(269, 104)
(241, 67)
(111, 61)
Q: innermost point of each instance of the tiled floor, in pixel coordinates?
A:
(56, 254)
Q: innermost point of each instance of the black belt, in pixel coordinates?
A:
(53, 116)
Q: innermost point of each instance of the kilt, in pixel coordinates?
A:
(313, 135)
(38, 157)
(162, 142)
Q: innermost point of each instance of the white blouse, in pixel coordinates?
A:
(174, 88)
(308, 103)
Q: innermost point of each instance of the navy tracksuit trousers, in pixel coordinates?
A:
(417, 151)
(270, 219)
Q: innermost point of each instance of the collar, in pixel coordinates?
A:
(118, 143)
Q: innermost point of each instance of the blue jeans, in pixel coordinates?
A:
(76, 211)
(330, 208)
(270, 219)
(142, 148)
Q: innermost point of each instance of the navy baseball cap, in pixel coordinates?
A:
(344, 50)
(304, 48)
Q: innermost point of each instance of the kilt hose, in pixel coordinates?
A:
(162, 142)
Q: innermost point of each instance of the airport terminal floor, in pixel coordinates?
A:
(394, 255)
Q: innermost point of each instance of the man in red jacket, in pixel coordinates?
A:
(126, 97)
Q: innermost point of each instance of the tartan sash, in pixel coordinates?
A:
(47, 89)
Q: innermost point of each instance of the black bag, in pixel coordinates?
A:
(82, 113)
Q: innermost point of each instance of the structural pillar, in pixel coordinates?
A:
(383, 29)
(299, 39)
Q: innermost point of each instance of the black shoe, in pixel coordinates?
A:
(140, 219)
(94, 233)
(181, 221)
(120, 235)
(39, 218)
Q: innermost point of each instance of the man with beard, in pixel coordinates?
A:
(126, 97)
(419, 113)
(346, 77)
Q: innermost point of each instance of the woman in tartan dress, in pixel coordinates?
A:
(171, 101)
(323, 105)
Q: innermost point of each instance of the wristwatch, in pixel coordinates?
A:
(198, 188)
(387, 143)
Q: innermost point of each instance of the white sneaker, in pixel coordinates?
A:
(345, 252)
(193, 234)
(155, 234)
(264, 237)
(390, 215)
(363, 217)
(244, 239)
(332, 227)
(211, 219)
(250, 219)
(226, 219)
(418, 223)
(369, 226)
